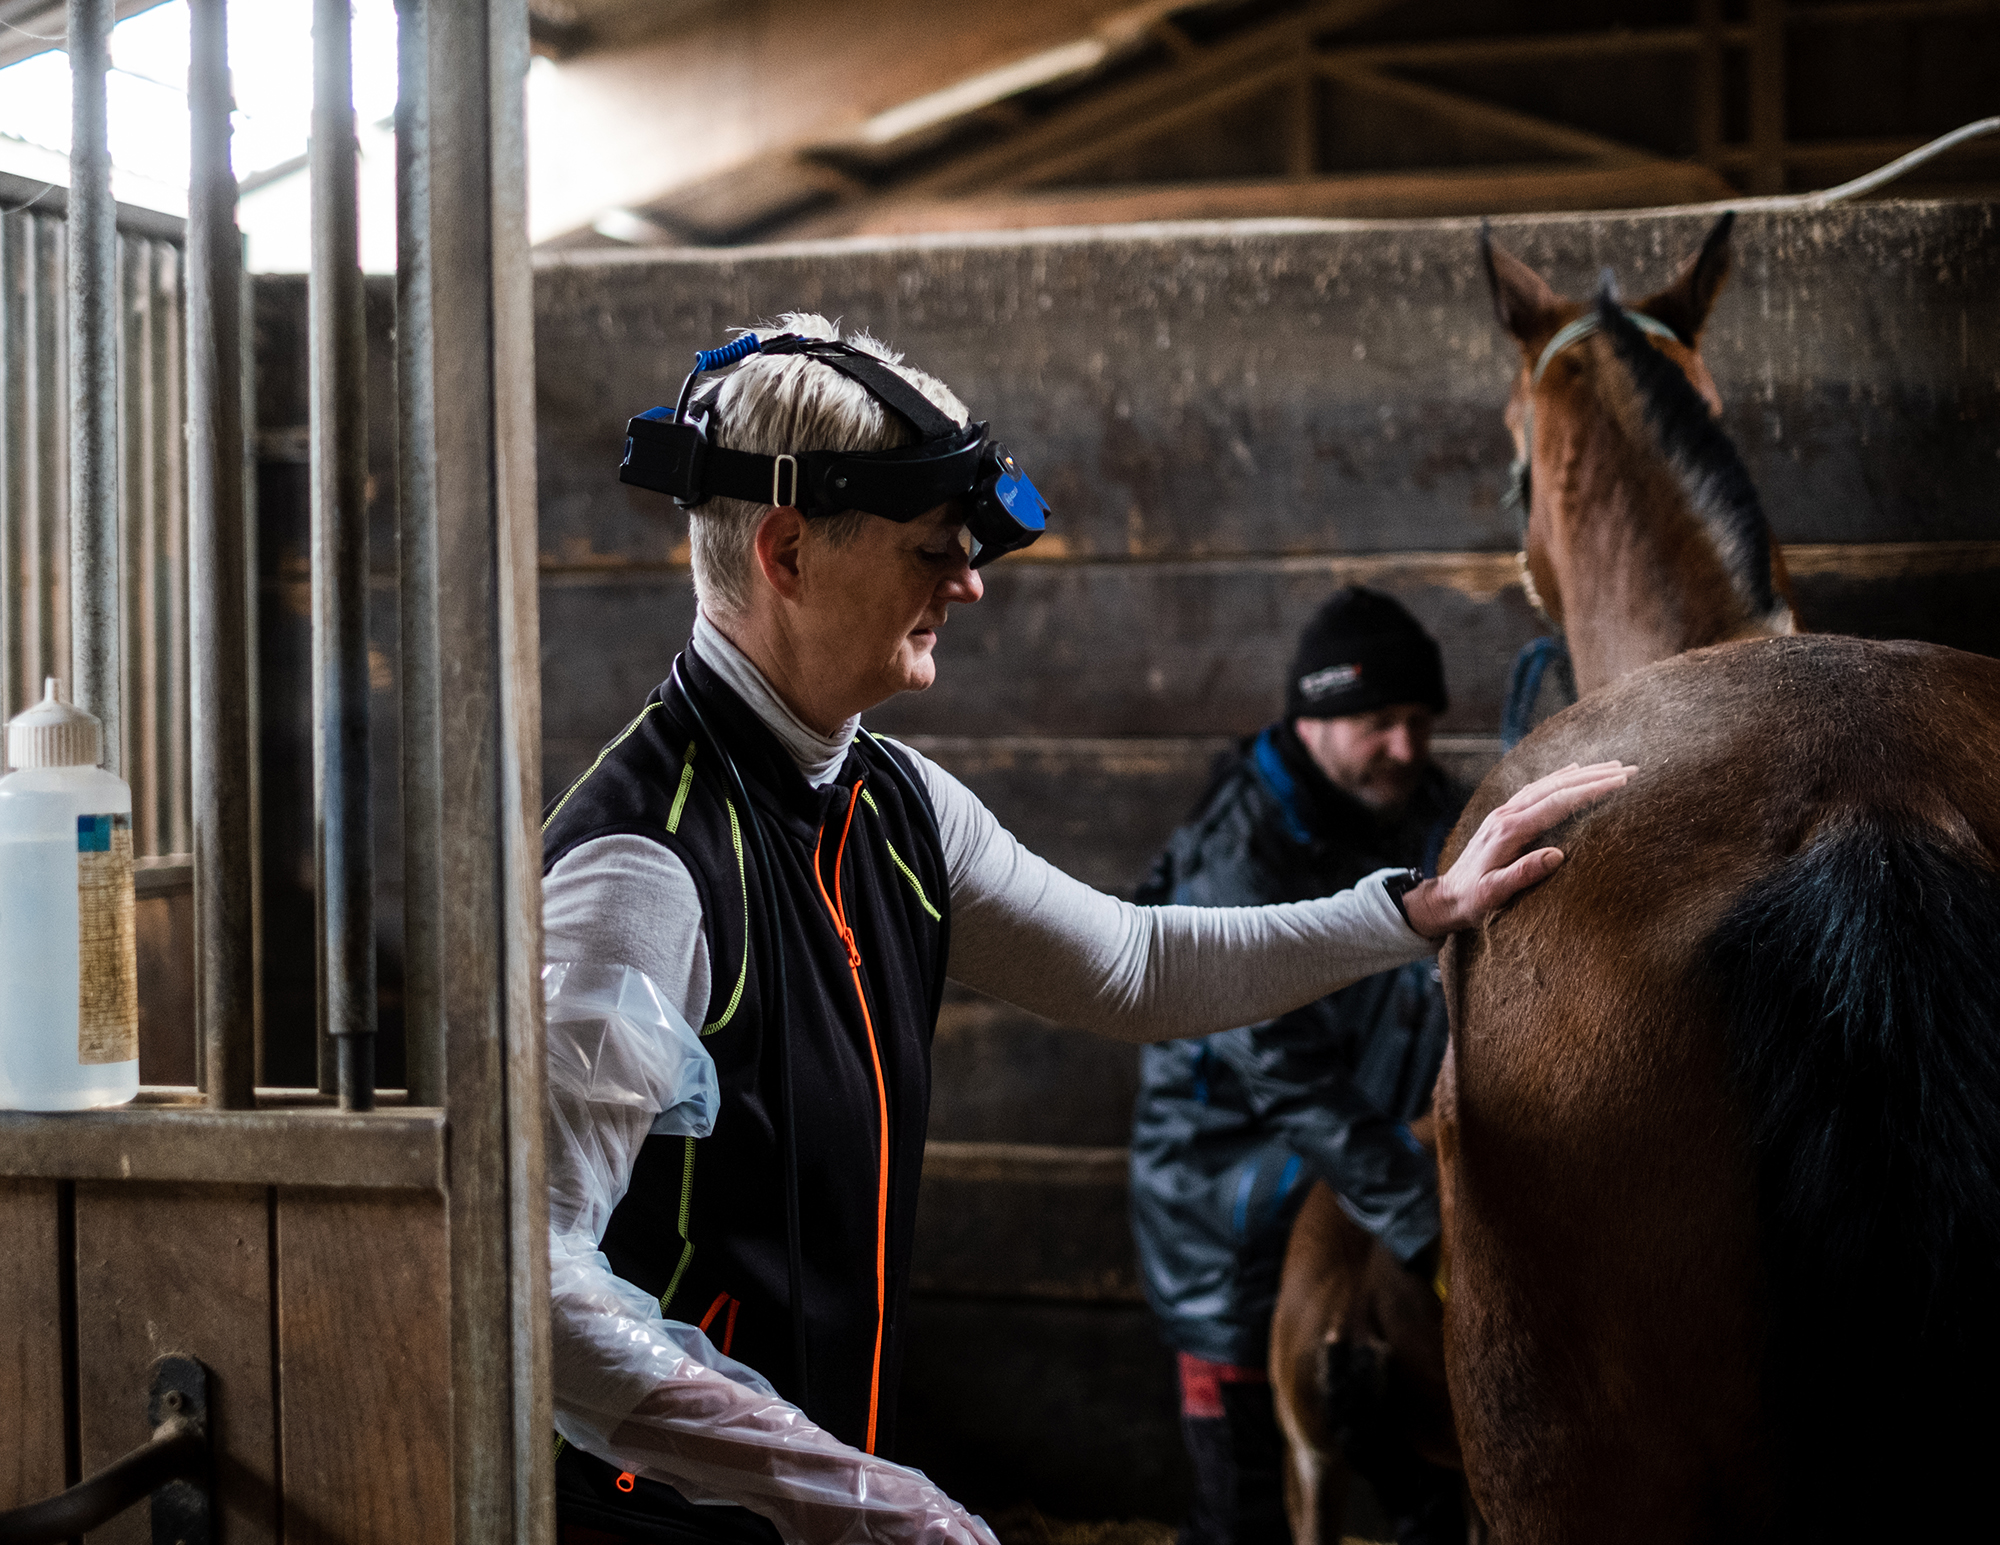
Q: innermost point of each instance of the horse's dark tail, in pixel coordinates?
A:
(1863, 980)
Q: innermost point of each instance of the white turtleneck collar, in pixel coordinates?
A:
(818, 756)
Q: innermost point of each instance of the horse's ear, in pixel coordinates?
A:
(1684, 304)
(1522, 299)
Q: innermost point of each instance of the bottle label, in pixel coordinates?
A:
(108, 987)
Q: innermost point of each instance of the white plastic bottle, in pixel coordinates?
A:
(69, 1001)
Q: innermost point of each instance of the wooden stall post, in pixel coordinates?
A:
(417, 576)
(468, 360)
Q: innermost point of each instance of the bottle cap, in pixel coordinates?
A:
(54, 734)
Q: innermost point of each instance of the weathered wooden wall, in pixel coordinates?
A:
(1230, 421)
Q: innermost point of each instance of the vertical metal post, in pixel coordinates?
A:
(49, 586)
(416, 459)
(340, 566)
(220, 643)
(471, 235)
(138, 693)
(1707, 101)
(93, 382)
(170, 480)
(1301, 111)
(253, 672)
(14, 455)
(1767, 96)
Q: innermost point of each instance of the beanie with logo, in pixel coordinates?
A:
(1360, 652)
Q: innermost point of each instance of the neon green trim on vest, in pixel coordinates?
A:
(622, 736)
(687, 1244)
(742, 881)
(681, 793)
(743, 971)
(896, 858)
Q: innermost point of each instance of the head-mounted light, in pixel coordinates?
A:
(668, 451)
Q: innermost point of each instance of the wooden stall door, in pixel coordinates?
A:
(301, 1254)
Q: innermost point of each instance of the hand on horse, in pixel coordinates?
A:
(1493, 869)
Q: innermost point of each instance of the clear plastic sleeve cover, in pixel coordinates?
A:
(653, 1395)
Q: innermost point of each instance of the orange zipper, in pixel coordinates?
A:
(728, 1325)
(838, 913)
(627, 1480)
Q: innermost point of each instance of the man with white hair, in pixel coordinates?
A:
(751, 907)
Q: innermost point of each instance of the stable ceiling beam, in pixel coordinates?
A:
(1393, 195)
(1484, 117)
(1217, 98)
(1115, 112)
(1623, 43)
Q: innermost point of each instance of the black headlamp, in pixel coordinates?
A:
(668, 451)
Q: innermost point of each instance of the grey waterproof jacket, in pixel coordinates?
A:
(1230, 1128)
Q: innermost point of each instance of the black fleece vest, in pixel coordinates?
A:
(703, 1225)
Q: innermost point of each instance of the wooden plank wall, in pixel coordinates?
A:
(1231, 421)
(322, 1317)
(34, 1461)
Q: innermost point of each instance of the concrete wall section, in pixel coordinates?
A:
(1295, 387)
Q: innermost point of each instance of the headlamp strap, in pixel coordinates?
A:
(795, 480)
(774, 480)
(884, 384)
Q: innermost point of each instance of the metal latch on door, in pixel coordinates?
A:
(174, 1468)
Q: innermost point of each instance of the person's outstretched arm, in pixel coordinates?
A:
(1024, 931)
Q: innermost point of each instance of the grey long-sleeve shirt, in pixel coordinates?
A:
(1021, 929)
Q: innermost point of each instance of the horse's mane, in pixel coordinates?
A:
(1702, 456)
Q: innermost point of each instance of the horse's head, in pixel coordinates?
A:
(1641, 532)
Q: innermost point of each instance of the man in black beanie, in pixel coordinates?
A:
(1231, 1129)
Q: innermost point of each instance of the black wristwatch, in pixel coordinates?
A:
(1400, 885)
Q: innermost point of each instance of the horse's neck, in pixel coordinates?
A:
(1641, 579)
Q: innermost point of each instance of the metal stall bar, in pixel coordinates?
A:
(475, 341)
(170, 494)
(35, 433)
(141, 695)
(340, 572)
(149, 481)
(48, 509)
(15, 290)
(152, 506)
(416, 459)
(96, 656)
(155, 478)
(218, 583)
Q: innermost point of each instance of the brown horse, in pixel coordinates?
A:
(1615, 551)
(1357, 1357)
(1663, 1229)
(1719, 1126)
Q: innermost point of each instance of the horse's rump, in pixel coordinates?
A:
(1720, 1131)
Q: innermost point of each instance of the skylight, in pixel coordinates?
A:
(270, 55)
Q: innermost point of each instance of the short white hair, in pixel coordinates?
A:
(774, 404)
